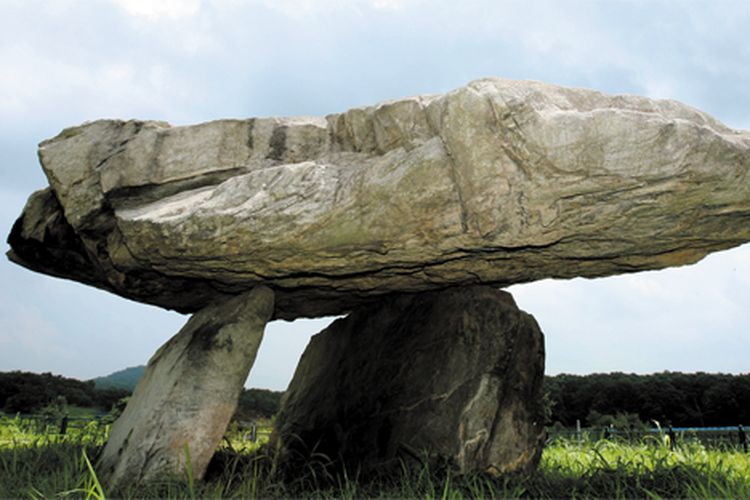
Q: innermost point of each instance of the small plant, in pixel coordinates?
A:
(189, 472)
(93, 487)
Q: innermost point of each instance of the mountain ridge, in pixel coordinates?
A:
(127, 378)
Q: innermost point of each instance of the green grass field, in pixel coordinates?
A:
(48, 465)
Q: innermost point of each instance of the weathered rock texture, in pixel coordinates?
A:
(456, 374)
(188, 393)
(497, 182)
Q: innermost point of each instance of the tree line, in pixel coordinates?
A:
(23, 392)
(679, 399)
(671, 398)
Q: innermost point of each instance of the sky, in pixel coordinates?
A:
(63, 62)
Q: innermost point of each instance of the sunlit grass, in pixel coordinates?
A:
(35, 466)
(19, 433)
(646, 469)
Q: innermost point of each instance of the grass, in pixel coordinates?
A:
(50, 466)
(648, 469)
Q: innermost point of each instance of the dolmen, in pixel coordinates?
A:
(405, 218)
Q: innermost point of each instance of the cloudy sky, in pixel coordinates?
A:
(185, 61)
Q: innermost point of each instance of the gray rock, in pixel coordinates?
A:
(188, 394)
(497, 182)
(454, 375)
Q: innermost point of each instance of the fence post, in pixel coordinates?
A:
(578, 431)
(64, 425)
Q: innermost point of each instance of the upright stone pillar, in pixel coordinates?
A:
(188, 393)
(454, 375)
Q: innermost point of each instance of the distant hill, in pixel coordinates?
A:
(122, 379)
(253, 403)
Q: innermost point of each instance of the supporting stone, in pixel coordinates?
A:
(188, 393)
(456, 374)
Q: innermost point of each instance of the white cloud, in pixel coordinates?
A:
(301, 9)
(36, 86)
(156, 10)
(279, 353)
(389, 4)
(26, 336)
(11, 206)
(659, 87)
(688, 318)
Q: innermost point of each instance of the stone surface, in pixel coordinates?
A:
(188, 393)
(497, 182)
(456, 373)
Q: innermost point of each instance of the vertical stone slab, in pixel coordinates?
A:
(188, 393)
(453, 376)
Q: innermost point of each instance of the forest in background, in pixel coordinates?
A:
(28, 393)
(671, 398)
(24, 392)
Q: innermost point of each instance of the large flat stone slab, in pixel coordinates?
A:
(497, 182)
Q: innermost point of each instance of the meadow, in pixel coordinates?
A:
(37, 463)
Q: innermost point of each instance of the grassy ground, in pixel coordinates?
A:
(34, 466)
